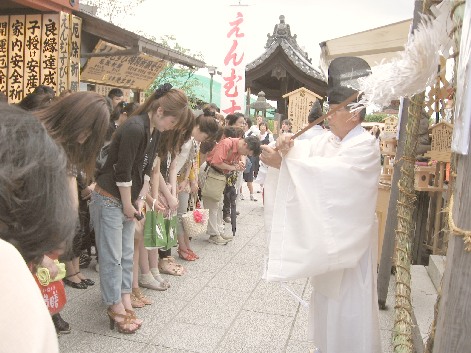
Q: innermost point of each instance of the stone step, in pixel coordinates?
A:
(424, 296)
(435, 269)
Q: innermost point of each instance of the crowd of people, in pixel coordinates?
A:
(78, 172)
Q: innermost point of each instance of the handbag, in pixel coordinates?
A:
(154, 230)
(53, 294)
(214, 185)
(195, 221)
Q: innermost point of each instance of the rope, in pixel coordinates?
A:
(466, 234)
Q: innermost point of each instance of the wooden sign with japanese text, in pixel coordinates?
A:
(74, 50)
(133, 71)
(390, 127)
(32, 52)
(16, 58)
(299, 105)
(63, 62)
(4, 29)
(441, 142)
(50, 50)
(233, 71)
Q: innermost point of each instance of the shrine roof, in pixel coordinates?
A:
(282, 38)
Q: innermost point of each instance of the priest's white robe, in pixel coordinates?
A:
(321, 223)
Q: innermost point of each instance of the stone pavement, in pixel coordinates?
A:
(220, 305)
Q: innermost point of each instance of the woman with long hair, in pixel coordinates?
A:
(121, 188)
(205, 129)
(78, 123)
(147, 260)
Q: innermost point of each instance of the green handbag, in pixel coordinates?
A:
(155, 235)
(171, 231)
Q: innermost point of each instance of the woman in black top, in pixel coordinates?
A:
(118, 198)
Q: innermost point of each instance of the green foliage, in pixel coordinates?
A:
(271, 125)
(375, 118)
(177, 75)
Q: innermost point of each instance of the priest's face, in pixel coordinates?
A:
(342, 121)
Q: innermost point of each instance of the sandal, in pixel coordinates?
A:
(185, 255)
(122, 326)
(177, 265)
(133, 316)
(158, 277)
(139, 295)
(148, 281)
(136, 302)
(193, 253)
(168, 266)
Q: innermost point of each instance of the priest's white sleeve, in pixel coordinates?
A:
(324, 210)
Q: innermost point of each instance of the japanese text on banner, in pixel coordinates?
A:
(233, 72)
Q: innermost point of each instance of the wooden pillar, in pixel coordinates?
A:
(454, 316)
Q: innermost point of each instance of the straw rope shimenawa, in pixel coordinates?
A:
(466, 234)
(402, 332)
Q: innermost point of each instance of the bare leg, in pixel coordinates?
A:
(126, 302)
(72, 272)
(250, 186)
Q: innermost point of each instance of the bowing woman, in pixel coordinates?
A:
(118, 198)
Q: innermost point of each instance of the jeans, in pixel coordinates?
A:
(115, 241)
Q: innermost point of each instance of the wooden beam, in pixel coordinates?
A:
(367, 52)
(50, 5)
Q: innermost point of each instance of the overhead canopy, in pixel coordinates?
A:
(374, 45)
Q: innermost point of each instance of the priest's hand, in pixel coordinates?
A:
(270, 157)
(284, 143)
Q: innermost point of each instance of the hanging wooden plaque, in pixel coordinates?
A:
(50, 50)
(4, 29)
(16, 58)
(32, 52)
(74, 67)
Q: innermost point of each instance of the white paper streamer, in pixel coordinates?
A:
(417, 66)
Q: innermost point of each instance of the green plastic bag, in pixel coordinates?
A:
(171, 230)
(155, 234)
